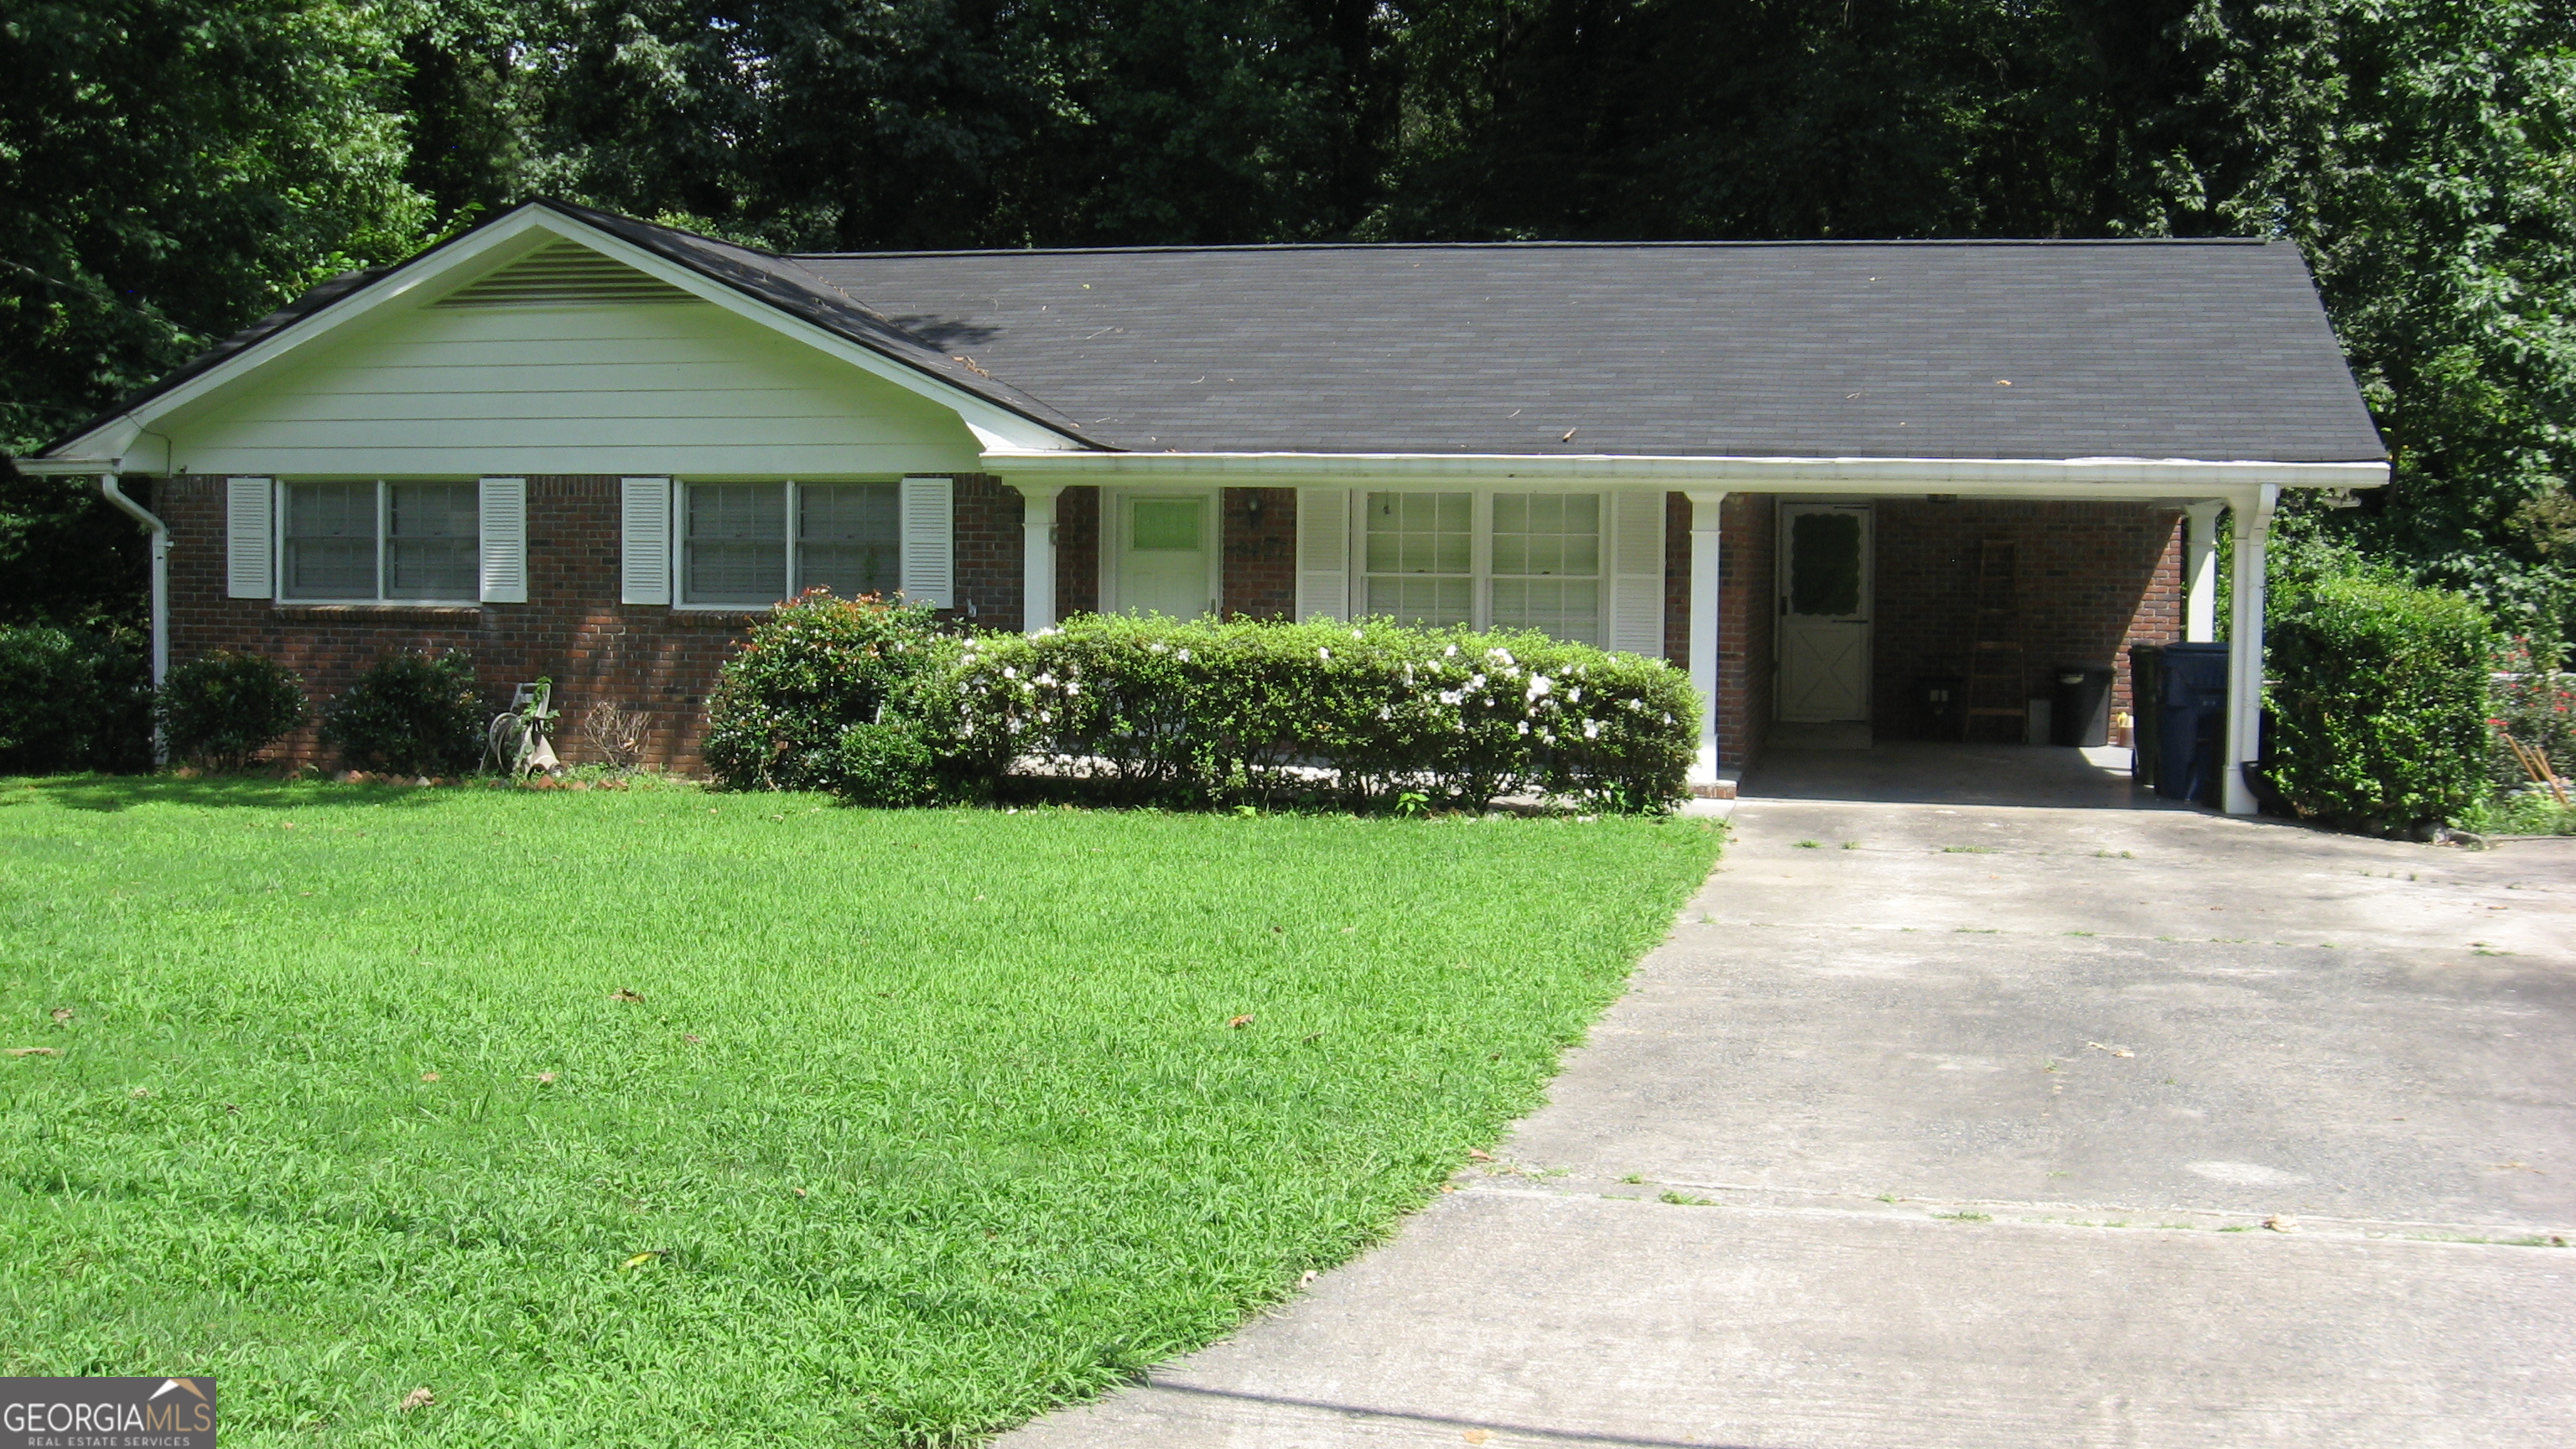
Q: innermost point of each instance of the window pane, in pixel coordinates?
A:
(330, 541)
(1421, 533)
(433, 541)
(1167, 523)
(1432, 601)
(849, 539)
(735, 550)
(1547, 533)
(1824, 564)
(1569, 609)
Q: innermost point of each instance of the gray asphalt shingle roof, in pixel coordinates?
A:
(2214, 350)
(2210, 350)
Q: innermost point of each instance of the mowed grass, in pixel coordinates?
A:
(923, 1123)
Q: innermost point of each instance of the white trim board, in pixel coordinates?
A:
(2080, 478)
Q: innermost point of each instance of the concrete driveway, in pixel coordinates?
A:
(1995, 1125)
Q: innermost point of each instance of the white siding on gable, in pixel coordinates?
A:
(613, 388)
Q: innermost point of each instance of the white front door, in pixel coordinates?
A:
(1825, 564)
(1165, 554)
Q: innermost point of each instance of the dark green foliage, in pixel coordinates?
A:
(2378, 700)
(223, 708)
(411, 714)
(1364, 714)
(887, 765)
(72, 700)
(816, 667)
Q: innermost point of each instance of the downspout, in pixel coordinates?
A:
(160, 532)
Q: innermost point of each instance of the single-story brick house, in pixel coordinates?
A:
(1812, 474)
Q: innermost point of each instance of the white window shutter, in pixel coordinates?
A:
(644, 542)
(1323, 553)
(929, 515)
(1637, 573)
(250, 538)
(505, 540)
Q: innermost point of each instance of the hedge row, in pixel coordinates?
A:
(2378, 700)
(870, 701)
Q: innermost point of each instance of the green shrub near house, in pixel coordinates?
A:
(73, 700)
(872, 702)
(411, 714)
(2378, 699)
(220, 709)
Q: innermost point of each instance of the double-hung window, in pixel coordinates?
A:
(1514, 560)
(754, 544)
(381, 542)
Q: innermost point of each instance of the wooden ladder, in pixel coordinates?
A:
(1996, 679)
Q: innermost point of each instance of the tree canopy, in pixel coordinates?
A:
(175, 168)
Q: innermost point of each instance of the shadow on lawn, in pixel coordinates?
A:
(111, 793)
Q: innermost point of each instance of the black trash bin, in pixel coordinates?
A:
(2144, 676)
(2080, 713)
(2191, 720)
(1938, 698)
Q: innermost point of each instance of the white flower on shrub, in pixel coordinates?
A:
(1185, 656)
(1524, 727)
(1539, 685)
(1325, 655)
(1449, 653)
(1502, 655)
(1385, 712)
(1009, 673)
(1451, 697)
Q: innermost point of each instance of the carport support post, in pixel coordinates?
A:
(2200, 571)
(2253, 516)
(1037, 554)
(1705, 538)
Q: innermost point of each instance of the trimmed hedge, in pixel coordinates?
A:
(73, 701)
(1362, 714)
(2379, 701)
(816, 668)
(222, 708)
(411, 714)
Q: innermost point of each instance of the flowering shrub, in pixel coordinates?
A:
(816, 667)
(2379, 700)
(1362, 713)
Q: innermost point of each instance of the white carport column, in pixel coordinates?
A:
(1037, 554)
(2200, 571)
(1704, 580)
(2253, 516)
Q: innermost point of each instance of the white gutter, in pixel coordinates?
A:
(160, 532)
(1992, 477)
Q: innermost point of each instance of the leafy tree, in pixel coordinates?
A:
(171, 169)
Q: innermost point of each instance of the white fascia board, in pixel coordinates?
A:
(523, 231)
(2143, 478)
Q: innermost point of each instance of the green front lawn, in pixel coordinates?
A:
(922, 1122)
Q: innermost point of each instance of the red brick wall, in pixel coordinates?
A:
(1077, 552)
(1260, 552)
(572, 629)
(2092, 579)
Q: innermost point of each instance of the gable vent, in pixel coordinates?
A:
(564, 274)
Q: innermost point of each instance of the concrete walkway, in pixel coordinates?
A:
(1995, 1125)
